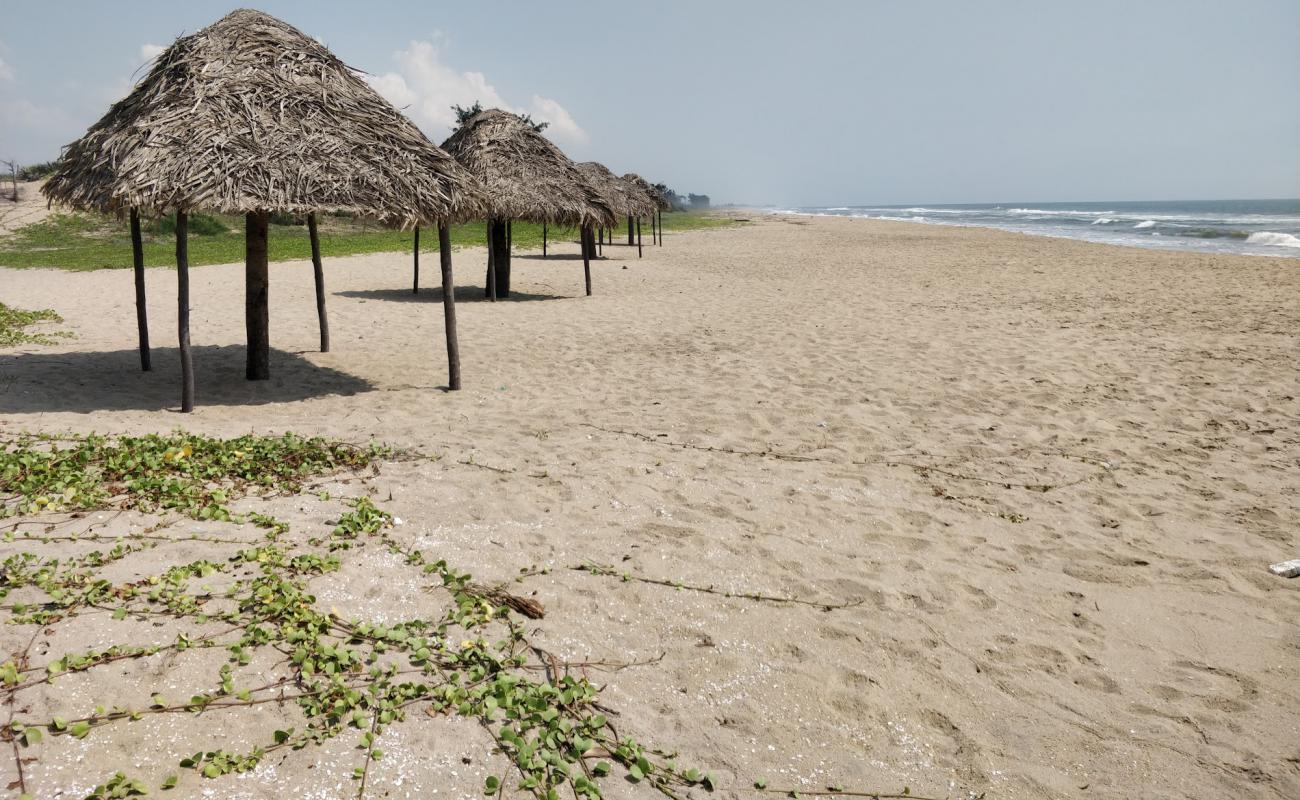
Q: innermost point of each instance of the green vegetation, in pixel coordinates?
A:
(34, 172)
(195, 475)
(13, 321)
(348, 677)
(87, 242)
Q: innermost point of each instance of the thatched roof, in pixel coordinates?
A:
(251, 114)
(526, 176)
(617, 192)
(651, 193)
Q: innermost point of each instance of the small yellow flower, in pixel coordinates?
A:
(467, 644)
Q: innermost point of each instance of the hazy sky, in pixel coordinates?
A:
(798, 103)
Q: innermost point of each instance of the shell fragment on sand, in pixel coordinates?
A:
(1286, 569)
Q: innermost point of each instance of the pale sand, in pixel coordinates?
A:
(1118, 636)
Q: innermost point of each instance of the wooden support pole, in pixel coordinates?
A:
(654, 236)
(490, 286)
(638, 237)
(600, 241)
(183, 310)
(543, 240)
(141, 309)
(510, 235)
(318, 271)
(256, 289)
(631, 240)
(586, 257)
(499, 243)
(449, 307)
(415, 254)
(661, 227)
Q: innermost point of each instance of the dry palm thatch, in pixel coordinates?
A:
(616, 191)
(525, 176)
(251, 114)
(651, 194)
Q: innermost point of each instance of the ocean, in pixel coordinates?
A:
(1251, 227)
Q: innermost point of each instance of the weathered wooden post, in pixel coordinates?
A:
(183, 310)
(490, 286)
(415, 255)
(638, 237)
(499, 243)
(256, 291)
(318, 272)
(630, 239)
(543, 240)
(141, 309)
(449, 307)
(586, 257)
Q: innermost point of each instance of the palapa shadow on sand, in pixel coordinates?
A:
(556, 257)
(433, 294)
(112, 381)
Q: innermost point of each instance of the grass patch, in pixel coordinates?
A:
(14, 321)
(90, 241)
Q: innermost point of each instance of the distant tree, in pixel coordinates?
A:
(699, 200)
(537, 126)
(13, 175)
(34, 172)
(465, 112)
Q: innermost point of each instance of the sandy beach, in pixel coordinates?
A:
(1045, 477)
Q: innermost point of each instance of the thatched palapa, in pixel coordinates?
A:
(642, 189)
(660, 202)
(617, 192)
(526, 177)
(251, 116)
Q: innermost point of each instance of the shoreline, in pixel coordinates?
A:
(1044, 234)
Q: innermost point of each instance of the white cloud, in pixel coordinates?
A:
(148, 52)
(6, 74)
(426, 89)
(562, 126)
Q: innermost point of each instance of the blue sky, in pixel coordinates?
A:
(807, 103)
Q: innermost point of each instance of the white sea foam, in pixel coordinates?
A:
(1067, 213)
(1102, 221)
(1146, 223)
(1269, 237)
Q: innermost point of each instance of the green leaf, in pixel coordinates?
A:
(170, 782)
(635, 773)
(491, 785)
(32, 736)
(80, 729)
